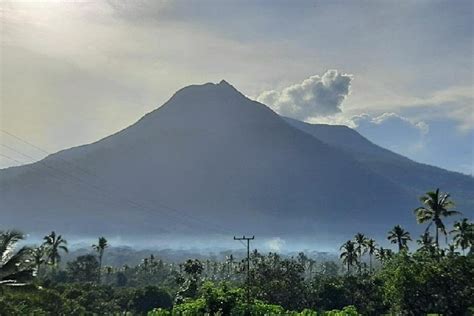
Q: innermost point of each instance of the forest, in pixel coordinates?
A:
(434, 277)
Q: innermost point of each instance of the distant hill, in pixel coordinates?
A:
(211, 161)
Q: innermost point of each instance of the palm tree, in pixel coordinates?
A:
(108, 273)
(303, 261)
(383, 254)
(230, 264)
(53, 244)
(435, 207)
(100, 248)
(38, 255)
(311, 264)
(360, 241)
(371, 247)
(463, 234)
(451, 251)
(399, 236)
(349, 254)
(15, 267)
(426, 243)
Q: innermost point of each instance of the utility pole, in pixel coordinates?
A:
(248, 239)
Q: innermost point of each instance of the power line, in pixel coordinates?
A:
(24, 141)
(97, 189)
(45, 151)
(248, 239)
(12, 159)
(134, 203)
(32, 167)
(163, 206)
(22, 162)
(67, 176)
(12, 149)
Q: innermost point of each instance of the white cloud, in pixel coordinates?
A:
(452, 103)
(393, 131)
(421, 126)
(315, 96)
(455, 103)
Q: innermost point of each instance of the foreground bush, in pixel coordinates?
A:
(82, 299)
(220, 299)
(256, 309)
(421, 284)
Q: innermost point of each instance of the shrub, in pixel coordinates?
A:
(148, 298)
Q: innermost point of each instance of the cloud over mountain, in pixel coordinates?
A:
(387, 118)
(315, 96)
(399, 133)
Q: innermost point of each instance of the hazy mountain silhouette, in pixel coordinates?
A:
(211, 160)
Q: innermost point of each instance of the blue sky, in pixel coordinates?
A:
(400, 72)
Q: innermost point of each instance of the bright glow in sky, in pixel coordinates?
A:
(75, 71)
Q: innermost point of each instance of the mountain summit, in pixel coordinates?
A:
(212, 161)
(209, 104)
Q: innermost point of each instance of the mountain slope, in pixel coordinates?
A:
(415, 177)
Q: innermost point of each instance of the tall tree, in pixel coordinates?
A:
(100, 248)
(399, 236)
(349, 254)
(311, 263)
(230, 265)
(371, 247)
(436, 206)
(450, 251)
(38, 254)
(303, 260)
(383, 254)
(15, 267)
(426, 242)
(360, 241)
(463, 234)
(83, 269)
(54, 244)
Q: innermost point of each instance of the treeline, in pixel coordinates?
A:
(371, 281)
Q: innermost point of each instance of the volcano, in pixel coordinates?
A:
(212, 161)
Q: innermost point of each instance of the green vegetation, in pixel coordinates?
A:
(14, 267)
(100, 248)
(369, 280)
(435, 207)
(54, 245)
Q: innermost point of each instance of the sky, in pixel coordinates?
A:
(399, 72)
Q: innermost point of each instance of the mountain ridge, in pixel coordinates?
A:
(372, 153)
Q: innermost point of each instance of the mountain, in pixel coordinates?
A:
(211, 161)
